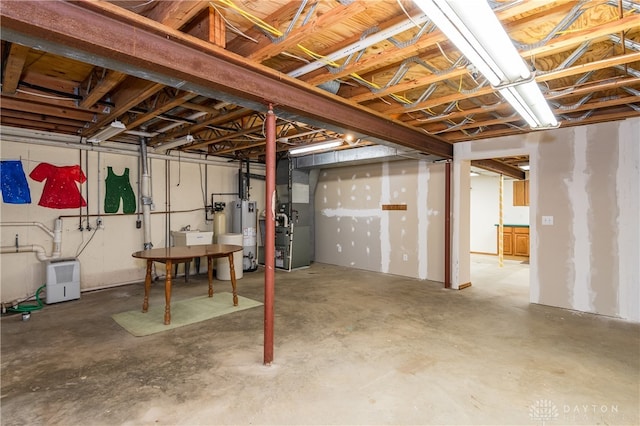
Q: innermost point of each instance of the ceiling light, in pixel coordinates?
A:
(174, 144)
(524, 166)
(333, 143)
(473, 174)
(110, 131)
(478, 34)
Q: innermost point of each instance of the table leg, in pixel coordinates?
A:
(233, 279)
(147, 287)
(167, 295)
(210, 275)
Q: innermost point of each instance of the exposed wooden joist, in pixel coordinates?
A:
(176, 14)
(130, 94)
(498, 167)
(28, 105)
(179, 57)
(395, 55)
(209, 26)
(244, 46)
(161, 109)
(598, 118)
(101, 88)
(13, 68)
(227, 137)
(334, 17)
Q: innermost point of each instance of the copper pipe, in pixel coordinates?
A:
(270, 237)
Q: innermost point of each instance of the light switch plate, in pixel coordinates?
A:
(547, 220)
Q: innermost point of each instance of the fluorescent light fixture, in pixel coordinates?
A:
(333, 143)
(477, 33)
(110, 131)
(524, 166)
(174, 144)
(473, 174)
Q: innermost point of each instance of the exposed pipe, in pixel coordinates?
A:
(405, 25)
(56, 235)
(37, 224)
(13, 134)
(286, 219)
(37, 249)
(270, 237)
(146, 195)
(447, 224)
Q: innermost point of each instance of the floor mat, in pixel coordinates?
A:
(183, 312)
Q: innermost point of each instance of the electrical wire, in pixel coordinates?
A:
(78, 253)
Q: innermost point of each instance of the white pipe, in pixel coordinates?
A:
(13, 134)
(56, 234)
(286, 219)
(38, 224)
(57, 239)
(39, 251)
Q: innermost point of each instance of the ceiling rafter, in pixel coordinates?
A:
(13, 68)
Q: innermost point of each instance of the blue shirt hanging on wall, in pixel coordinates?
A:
(13, 183)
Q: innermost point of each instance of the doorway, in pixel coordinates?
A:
(511, 276)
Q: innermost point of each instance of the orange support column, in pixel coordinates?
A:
(270, 236)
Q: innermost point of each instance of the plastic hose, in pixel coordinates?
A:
(29, 308)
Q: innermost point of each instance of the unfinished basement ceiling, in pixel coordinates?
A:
(586, 55)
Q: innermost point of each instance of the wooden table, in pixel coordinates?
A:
(170, 255)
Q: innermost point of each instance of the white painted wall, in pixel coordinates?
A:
(106, 261)
(353, 230)
(485, 211)
(587, 179)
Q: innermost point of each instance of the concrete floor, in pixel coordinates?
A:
(352, 347)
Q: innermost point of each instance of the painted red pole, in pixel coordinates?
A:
(270, 237)
(447, 225)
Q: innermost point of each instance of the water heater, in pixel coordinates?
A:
(245, 220)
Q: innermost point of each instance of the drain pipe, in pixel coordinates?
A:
(146, 195)
(40, 252)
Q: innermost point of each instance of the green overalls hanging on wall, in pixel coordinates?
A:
(119, 187)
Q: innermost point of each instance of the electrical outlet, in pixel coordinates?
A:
(99, 223)
(547, 220)
(405, 257)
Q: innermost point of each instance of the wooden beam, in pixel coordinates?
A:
(596, 118)
(500, 168)
(130, 94)
(161, 109)
(591, 66)
(101, 88)
(176, 14)
(397, 55)
(40, 125)
(336, 16)
(578, 69)
(13, 68)
(209, 25)
(244, 46)
(33, 107)
(227, 137)
(178, 59)
(562, 43)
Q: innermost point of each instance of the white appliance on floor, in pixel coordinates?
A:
(63, 280)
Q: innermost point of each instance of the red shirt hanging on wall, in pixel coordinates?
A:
(60, 190)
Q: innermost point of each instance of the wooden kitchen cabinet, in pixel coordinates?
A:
(515, 240)
(521, 241)
(520, 192)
